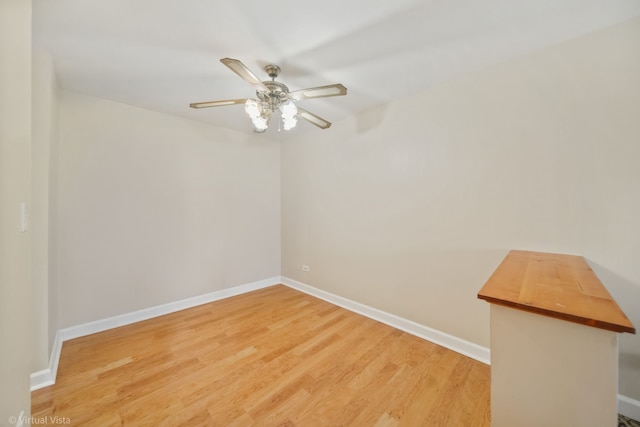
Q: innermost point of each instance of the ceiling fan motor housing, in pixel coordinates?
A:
(278, 93)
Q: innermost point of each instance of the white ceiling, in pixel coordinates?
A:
(164, 54)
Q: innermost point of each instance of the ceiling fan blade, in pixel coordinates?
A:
(240, 69)
(220, 103)
(313, 119)
(319, 92)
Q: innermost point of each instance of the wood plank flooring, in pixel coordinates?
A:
(273, 357)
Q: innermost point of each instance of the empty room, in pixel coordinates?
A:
(362, 213)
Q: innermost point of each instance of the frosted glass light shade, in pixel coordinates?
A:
(252, 108)
(289, 110)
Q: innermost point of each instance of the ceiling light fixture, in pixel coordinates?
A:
(274, 98)
(261, 111)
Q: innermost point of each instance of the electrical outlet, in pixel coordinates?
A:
(305, 268)
(24, 218)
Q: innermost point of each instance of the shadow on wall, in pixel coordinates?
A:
(624, 291)
(627, 295)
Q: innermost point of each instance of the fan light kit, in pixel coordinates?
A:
(274, 97)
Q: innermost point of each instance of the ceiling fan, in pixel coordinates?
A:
(273, 97)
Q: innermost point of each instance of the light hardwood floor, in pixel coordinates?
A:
(273, 357)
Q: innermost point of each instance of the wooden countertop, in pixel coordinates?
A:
(555, 285)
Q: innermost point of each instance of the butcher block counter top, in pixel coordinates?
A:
(555, 285)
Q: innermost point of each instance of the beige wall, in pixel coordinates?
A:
(53, 260)
(154, 208)
(43, 139)
(15, 142)
(548, 372)
(409, 208)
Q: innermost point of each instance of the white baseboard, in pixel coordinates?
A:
(629, 407)
(47, 376)
(469, 349)
(41, 379)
